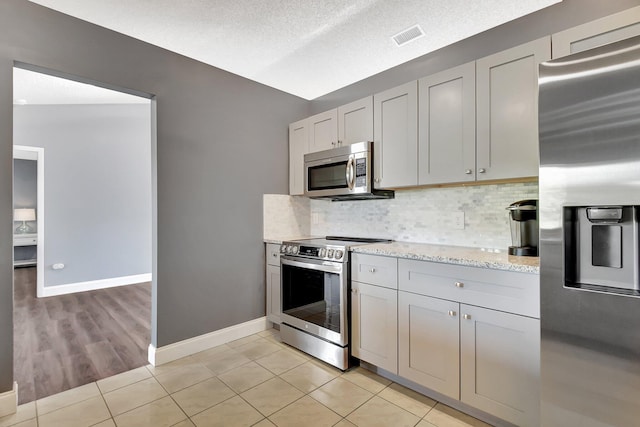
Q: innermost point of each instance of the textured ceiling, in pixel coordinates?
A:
(304, 47)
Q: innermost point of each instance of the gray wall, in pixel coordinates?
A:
(221, 144)
(558, 17)
(97, 187)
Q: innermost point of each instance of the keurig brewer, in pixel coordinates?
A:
(523, 218)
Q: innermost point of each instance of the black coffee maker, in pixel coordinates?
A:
(523, 218)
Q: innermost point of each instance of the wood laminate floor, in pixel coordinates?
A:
(66, 341)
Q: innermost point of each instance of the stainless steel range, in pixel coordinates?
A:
(315, 282)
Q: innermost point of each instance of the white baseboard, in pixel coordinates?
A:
(50, 291)
(9, 401)
(168, 353)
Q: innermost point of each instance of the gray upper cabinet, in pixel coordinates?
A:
(609, 29)
(355, 121)
(323, 131)
(298, 147)
(507, 111)
(395, 136)
(447, 126)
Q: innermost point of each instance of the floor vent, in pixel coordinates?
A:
(410, 34)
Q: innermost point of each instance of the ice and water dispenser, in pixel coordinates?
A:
(601, 248)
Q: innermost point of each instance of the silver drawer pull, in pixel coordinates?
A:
(466, 316)
(482, 170)
(372, 270)
(468, 171)
(451, 313)
(459, 285)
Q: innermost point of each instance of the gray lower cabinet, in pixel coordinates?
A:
(374, 325)
(428, 344)
(466, 332)
(274, 304)
(500, 364)
(374, 310)
(469, 333)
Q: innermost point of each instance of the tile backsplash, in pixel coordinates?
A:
(285, 217)
(425, 215)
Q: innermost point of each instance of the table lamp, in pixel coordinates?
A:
(24, 215)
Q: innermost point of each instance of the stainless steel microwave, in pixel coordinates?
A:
(344, 173)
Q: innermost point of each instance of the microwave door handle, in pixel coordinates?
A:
(350, 173)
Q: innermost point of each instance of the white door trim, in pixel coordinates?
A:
(36, 153)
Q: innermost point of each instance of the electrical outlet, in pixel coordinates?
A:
(315, 218)
(458, 220)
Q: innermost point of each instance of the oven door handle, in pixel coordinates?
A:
(329, 267)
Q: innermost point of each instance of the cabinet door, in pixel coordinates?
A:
(355, 121)
(507, 111)
(298, 147)
(500, 364)
(323, 131)
(374, 325)
(609, 29)
(428, 338)
(395, 136)
(274, 305)
(273, 254)
(447, 126)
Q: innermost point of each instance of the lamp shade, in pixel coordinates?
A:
(27, 214)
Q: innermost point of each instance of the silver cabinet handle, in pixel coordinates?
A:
(451, 313)
(372, 270)
(377, 180)
(482, 170)
(466, 316)
(459, 285)
(355, 291)
(468, 171)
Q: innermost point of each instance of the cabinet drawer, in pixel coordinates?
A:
(273, 254)
(507, 291)
(375, 270)
(25, 240)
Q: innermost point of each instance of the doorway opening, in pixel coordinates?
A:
(82, 302)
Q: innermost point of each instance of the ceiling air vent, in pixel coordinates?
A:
(410, 34)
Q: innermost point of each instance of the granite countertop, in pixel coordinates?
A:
(279, 239)
(472, 257)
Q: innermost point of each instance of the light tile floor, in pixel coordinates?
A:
(255, 381)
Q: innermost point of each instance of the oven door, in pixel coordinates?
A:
(314, 297)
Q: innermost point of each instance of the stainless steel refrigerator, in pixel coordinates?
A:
(589, 251)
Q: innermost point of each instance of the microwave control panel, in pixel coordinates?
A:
(361, 173)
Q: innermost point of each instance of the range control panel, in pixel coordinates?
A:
(328, 253)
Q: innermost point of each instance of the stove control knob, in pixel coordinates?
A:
(322, 253)
(283, 248)
(289, 248)
(330, 253)
(294, 250)
(339, 254)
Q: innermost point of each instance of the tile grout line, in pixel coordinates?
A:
(106, 405)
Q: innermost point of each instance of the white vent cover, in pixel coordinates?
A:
(410, 34)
